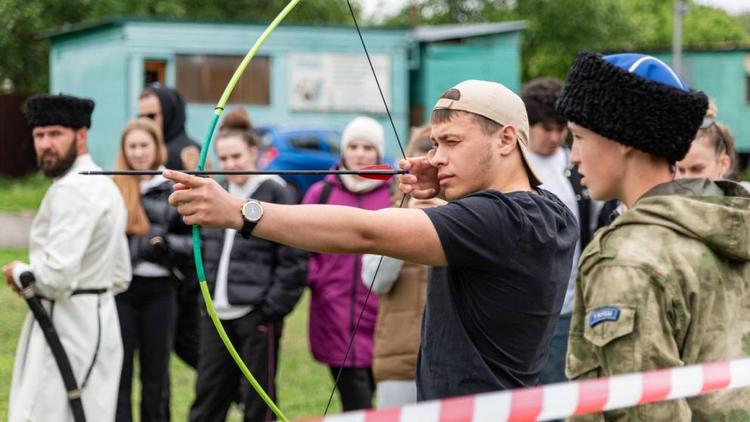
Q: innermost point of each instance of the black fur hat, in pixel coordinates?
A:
(63, 110)
(635, 100)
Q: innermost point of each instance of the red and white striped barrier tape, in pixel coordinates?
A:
(557, 401)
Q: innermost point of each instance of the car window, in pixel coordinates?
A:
(308, 142)
(264, 137)
(333, 141)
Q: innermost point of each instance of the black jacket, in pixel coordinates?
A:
(173, 115)
(174, 252)
(261, 273)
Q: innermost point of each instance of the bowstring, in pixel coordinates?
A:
(401, 204)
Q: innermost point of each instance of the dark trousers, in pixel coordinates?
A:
(147, 312)
(356, 387)
(219, 378)
(558, 347)
(186, 338)
(186, 328)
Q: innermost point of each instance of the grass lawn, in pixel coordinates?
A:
(17, 195)
(303, 384)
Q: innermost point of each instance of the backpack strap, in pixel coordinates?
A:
(325, 193)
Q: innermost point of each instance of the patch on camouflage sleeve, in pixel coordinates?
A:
(605, 313)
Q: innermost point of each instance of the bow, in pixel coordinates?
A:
(196, 229)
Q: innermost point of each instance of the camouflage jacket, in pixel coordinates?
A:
(666, 285)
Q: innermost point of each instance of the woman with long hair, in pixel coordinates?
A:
(255, 283)
(338, 296)
(712, 153)
(160, 251)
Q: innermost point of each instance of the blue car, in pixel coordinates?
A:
(298, 147)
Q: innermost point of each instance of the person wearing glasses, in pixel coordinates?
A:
(712, 153)
(166, 107)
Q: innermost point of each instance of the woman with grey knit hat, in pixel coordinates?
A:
(664, 285)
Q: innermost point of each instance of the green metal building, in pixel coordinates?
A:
(724, 75)
(316, 74)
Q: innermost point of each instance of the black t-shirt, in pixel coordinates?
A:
(491, 312)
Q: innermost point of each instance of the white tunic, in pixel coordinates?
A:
(77, 241)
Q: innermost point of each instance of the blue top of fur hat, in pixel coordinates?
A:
(647, 67)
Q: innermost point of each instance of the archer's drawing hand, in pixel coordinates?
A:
(204, 202)
(422, 180)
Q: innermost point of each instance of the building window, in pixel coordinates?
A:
(153, 71)
(202, 79)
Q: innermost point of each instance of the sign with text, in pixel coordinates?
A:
(338, 82)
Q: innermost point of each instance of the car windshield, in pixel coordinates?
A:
(307, 142)
(333, 143)
(264, 137)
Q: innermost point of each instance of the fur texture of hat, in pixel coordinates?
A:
(625, 107)
(63, 110)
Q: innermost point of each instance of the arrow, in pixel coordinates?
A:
(376, 172)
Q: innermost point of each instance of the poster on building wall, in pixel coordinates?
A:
(338, 82)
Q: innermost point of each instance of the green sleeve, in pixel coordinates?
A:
(621, 324)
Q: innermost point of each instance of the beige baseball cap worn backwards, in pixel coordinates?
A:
(499, 104)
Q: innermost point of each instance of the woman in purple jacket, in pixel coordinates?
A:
(338, 294)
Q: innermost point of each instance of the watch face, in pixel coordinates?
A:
(252, 211)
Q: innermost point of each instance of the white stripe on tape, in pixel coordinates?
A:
(740, 370)
(427, 411)
(559, 400)
(491, 407)
(624, 391)
(686, 382)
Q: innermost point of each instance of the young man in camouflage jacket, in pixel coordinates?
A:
(665, 285)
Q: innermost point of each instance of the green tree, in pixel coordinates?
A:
(560, 28)
(744, 20)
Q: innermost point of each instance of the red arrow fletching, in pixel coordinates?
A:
(385, 168)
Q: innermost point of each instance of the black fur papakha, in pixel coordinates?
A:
(63, 110)
(653, 117)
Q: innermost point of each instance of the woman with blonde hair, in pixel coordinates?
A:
(712, 153)
(160, 252)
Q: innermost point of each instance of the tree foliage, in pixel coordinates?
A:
(557, 28)
(24, 45)
(560, 28)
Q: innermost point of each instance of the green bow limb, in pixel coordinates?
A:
(196, 229)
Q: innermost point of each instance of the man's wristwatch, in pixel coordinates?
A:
(251, 212)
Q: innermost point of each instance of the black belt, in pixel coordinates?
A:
(89, 291)
(77, 292)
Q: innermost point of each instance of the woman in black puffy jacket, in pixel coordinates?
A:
(255, 283)
(160, 252)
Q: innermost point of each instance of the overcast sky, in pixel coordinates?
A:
(378, 8)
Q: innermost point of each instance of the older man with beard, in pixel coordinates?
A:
(79, 256)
